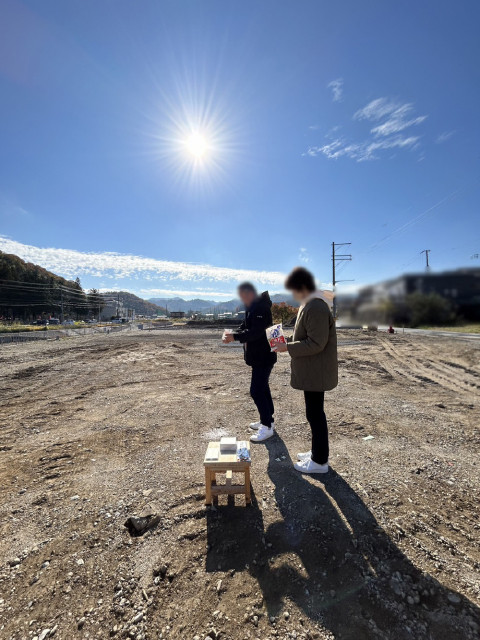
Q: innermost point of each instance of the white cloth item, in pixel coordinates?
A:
(322, 294)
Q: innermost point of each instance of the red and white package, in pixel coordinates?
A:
(275, 335)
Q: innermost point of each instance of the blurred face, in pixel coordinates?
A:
(300, 294)
(246, 296)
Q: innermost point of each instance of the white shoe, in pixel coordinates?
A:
(304, 456)
(262, 434)
(256, 425)
(309, 466)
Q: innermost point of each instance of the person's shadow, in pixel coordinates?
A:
(328, 554)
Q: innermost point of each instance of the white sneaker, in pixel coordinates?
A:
(304, 456)
(256, 425)
(309, 466)
(262, 434)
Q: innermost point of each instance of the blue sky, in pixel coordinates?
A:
(319, 121)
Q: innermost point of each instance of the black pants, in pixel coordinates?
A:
(260, 392)
(318, 424)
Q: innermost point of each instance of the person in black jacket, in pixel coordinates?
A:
(258, 355)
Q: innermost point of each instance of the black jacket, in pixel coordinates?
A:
(251, 333)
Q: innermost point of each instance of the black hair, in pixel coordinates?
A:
(300, 278)
(247, 286)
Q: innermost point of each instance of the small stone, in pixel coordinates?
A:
(14, 562)
(286, 615)
(44, 634)
(219, 586)
(453, 597)
(75, 498)
(80, 623)
(80, 561)
(45, 564)
(138, 617)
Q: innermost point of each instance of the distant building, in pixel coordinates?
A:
(113, 309)
(461, 287)
(177, 314)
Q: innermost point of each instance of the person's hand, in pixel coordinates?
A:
(228, 338)
(280, 348)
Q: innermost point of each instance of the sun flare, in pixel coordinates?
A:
(197, 146)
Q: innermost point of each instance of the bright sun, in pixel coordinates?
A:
(197, 146)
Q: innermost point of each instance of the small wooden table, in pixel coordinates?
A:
(225, 463)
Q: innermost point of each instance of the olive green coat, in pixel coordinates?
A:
(313, 348)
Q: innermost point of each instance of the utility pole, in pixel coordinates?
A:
(426, 252)
(62, 316)
(338, 257)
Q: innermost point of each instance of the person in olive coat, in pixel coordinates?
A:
(314, 366)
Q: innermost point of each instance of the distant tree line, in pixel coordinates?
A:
(28, 291)
(421, 309)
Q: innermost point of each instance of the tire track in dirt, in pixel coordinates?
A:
(461, 373)
(401, 371)
(428, 371)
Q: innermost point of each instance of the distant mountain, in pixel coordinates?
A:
(284, 297)
(204, 306)
(211, 306)
(142, 307)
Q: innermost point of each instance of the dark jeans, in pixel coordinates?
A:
(260, 392)
(318, 424)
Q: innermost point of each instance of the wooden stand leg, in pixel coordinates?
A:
(248, 497)
(213, 479)
(208, 487)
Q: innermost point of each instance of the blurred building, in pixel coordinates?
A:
(460, 287)
(113, 309)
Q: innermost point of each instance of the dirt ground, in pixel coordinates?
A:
(95, 429)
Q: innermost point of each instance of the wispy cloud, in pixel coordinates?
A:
(9, 209)
(304, 256)
(443, 137)
(376, 109)
(366, 150)
(71, 263)
(391, 121)
(337, 89)
(396, 117)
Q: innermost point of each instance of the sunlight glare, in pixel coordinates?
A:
(197, 145)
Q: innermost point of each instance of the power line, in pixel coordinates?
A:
(49, 286)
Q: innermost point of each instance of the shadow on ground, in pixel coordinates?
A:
(328, 555)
